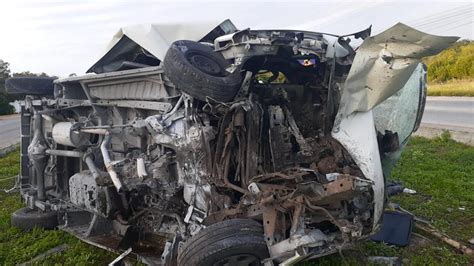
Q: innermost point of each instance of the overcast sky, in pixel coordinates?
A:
(63, 37)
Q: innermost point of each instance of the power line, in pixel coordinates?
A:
(444, 18)
(444, 23)
(447, 31)
(458, 26)
(442, 13)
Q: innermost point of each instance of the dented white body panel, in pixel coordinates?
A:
(357, 133)
(384, 63)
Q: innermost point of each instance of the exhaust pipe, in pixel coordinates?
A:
(108, 163)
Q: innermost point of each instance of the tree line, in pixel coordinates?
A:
(5, 99)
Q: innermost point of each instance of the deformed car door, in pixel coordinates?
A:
(399, 116)
(383, 65)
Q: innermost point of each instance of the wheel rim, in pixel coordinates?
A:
(240, 259)
(204, 63)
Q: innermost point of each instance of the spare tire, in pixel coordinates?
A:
(27, 219)
(199, 71)
(30, 85)
(231, 242)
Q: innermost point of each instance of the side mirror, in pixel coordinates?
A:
(388, 142)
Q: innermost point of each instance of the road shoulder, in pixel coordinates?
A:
(461, 134)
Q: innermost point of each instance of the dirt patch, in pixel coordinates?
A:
(463, 135)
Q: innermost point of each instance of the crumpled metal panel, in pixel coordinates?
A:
(357, 134)
(157, 37)
(84, 192)
(145, 89)
(384, 63)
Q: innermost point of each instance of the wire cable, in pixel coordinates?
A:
(447, 23)
(461, 25)
(438, 14)
(446, 18)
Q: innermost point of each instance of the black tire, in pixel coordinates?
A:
(199, 71)
(239, 241)
(27, 219)
(30, 85)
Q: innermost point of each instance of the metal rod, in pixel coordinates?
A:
(141, 169)
(92, 167)
(98, 131)
(106, 126)
(63, 153)
(108, 163)
(175, 108)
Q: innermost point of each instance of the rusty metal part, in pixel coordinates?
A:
(340, 185)
(256, 211)
(318, 208)
(253, 142)
(305, 149)
(341, 188)
(223, 215)
(226, 154)
(272, 176)
(274, 226)
(429, 229)
(226, 179)
(297, 217)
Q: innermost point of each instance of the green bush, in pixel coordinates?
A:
(5, 107)
(456, 62)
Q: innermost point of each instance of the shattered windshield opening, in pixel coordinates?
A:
(402, 111)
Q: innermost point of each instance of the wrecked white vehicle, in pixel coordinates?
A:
(213, 146)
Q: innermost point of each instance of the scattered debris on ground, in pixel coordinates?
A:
(42, 256)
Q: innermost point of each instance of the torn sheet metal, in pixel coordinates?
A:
(157, 37)
(358, 136)
(384, 63)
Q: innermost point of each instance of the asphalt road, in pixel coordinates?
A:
(453, 113)
(9, 130)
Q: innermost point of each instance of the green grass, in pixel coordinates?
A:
(17, 246)
(440, 170)
(452, 88)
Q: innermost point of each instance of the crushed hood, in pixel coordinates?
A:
(384, 63)
(155, 39)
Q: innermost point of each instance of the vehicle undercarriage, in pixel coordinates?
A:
(149, 156)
